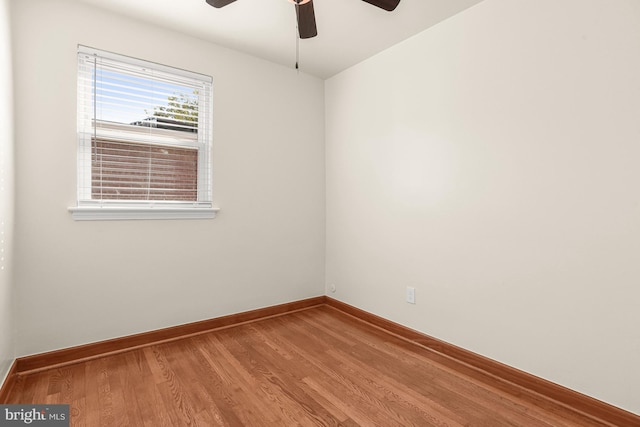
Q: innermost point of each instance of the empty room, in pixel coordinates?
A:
(327, 212)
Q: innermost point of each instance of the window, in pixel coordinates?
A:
(144, 139)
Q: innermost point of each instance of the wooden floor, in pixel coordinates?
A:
(314, 367)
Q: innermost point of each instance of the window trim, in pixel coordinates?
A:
(106, 212)
(90, 209)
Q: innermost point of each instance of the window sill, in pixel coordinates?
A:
(106, 213)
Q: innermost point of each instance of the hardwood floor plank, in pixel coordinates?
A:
(357, 413)
(141, 409)
(212, 399)
(348, 386)
(359, 352)
(423, 405)
(554, 413)
(470, 391)
(250, 411)
(288, 397)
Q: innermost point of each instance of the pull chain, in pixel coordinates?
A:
(297, 50)
(297, 5)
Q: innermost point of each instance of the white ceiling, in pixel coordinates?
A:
(349, 31)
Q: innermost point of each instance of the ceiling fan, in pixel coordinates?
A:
(306, 16)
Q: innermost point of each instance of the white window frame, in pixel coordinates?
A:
(91, 209)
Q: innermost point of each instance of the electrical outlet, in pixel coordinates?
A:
(411, 295)
(332, 288)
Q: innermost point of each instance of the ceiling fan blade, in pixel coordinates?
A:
(219, 3)
(383, 4)
(306, 20)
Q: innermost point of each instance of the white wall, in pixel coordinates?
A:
(7, 349)
(492, 163)
(79, 282)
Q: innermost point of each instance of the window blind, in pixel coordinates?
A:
(144, 133)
